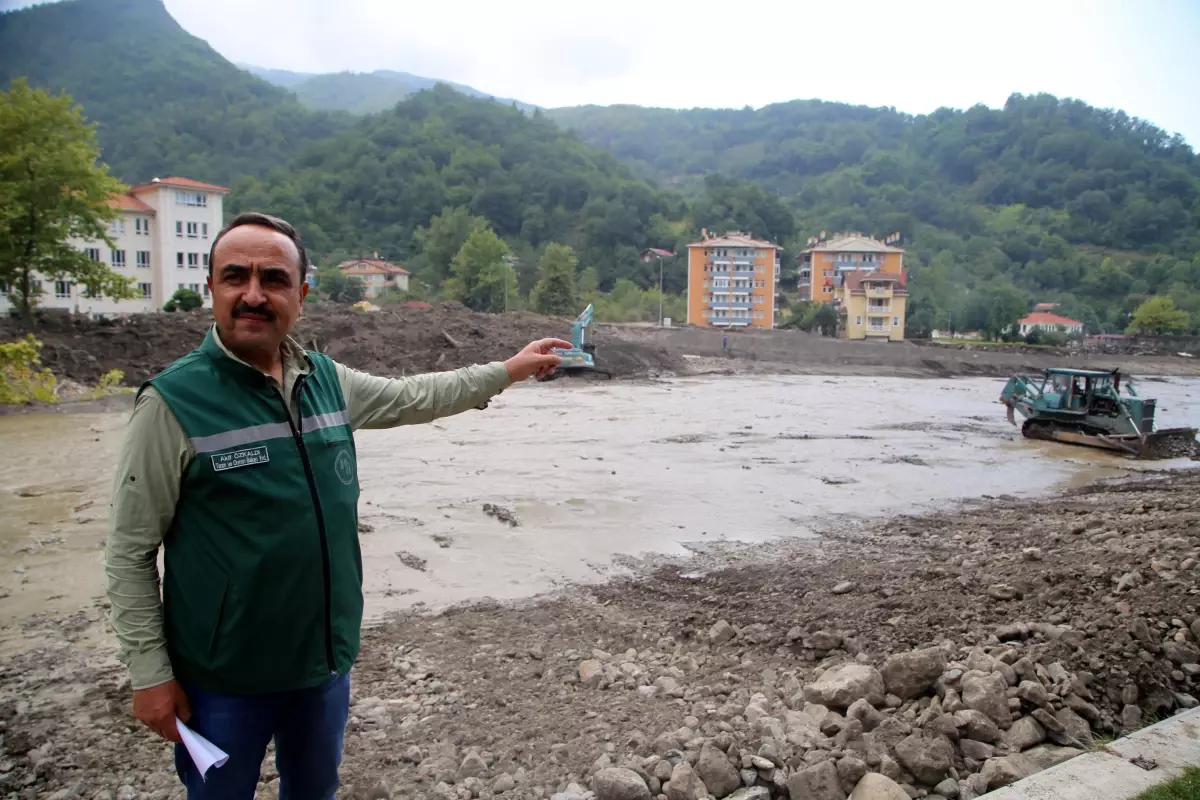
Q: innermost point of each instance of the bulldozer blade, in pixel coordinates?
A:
(1170, 443)
(1012, 419)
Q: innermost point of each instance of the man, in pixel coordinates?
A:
(239, 461)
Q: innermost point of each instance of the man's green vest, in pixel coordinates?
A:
(263, 584)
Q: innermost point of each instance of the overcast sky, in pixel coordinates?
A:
(1137, 55)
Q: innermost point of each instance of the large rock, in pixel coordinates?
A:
(909, 675)
(1000, 772)
(1076, 727)
(819, 782)
(685, 784)
(615, 783)
(718, 774)
(988, 694)
(927, 757)
(721, 632)
(851, 771)
(841, 686)
(1024, 733)
(753, 793)
(591, 673)
(866, 714)
(976, 725)
(874, 786)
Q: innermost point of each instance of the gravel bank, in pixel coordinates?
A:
(935, 656)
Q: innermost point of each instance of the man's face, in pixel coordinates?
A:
(256, 288)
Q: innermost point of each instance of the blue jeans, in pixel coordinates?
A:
(308, 726)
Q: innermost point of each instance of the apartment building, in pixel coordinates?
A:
(825, 262)
(731, 281)
(872, 305)
(377, 274)
(161, 238)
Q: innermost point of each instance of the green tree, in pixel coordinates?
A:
(51, 190)
(555, 291)
(183, 300)
(1158, 316)
(482, 278)
(444, 236)
(340, 287)
(996, 308)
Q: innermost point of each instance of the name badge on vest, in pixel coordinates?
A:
(235, 459)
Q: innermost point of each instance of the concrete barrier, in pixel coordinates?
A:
(1119, 771)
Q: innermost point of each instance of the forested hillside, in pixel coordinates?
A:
(360, 92)
(164, 101)
(1056, 198)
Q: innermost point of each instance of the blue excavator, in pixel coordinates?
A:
(580, 359)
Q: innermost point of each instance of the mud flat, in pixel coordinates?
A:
(406, 340)
(1036, 626)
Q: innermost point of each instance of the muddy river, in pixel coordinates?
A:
(596, 475)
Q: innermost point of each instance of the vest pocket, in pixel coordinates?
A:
(215, 639)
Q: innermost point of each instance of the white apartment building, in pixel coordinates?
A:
(161, 238)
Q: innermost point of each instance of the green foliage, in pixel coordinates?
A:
(184, 300)
(340, 287)
(1159, 316)
(21, 380)
(1038, 194)
(437, 160)
(995, 309)
(1185, 787)
(165, 102)
(555, 292)
(820, 318)
(51, 190)
(482, 279)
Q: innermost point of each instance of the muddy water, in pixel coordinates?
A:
(594, 474)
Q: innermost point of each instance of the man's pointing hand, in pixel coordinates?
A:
(536, 359)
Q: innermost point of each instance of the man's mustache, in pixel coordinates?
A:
(264, 311)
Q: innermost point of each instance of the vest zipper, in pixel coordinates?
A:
(298, 435)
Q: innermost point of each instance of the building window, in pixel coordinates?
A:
(204, 229)
(143, 259)
(118, 258)
(145, 289)
(62, 288)
(197, 199)
(179, 259)
(195, 287)
(117, 226)
(193, 260)
(206, 291)
(89, 294)
(93, 253)
(895, 320)
(204, 260)
(141, 225)
(178, 229)
(193, 230)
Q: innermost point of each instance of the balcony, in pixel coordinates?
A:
(879, 292)
(879, 310)
(734, 321)
(743, 273)
(724, 304)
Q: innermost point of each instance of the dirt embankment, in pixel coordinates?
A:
(446, 336)
(950, 653)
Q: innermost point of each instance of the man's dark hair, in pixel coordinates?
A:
(266, 221)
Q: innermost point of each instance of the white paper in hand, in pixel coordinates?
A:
(204, 753)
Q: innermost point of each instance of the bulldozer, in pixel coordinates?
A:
(580, 359)
(1086, 407)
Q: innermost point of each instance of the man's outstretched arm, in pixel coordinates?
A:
(375, 402)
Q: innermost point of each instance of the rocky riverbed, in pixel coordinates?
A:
(937, 656)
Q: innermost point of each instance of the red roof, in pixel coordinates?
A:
(127, 202)
(181, 183)
(657, 251)
(371, 266)
(1048, 319)
(854, 280)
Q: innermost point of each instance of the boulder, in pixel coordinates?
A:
(753, 793)
(1000, 772)
(909, 675)
(866, 714)
(1024, 733)
(718, 774)
(819, 782)
(874, 786)
(841, 686)
(685, 784)
(927, 757)
(615, 783)
(976, 725)
(987, 694)
(721, 632)
(591, 673)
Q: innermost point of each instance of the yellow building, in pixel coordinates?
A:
(826, 261)
(871, 305)
(731, 281)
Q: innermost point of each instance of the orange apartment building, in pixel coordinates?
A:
(731, 281)
(825, 263)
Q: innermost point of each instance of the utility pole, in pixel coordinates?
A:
(660, 255)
